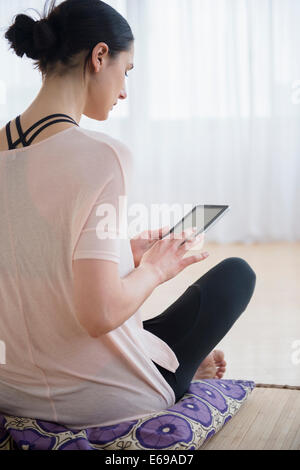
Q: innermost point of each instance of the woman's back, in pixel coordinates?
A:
(53, 367)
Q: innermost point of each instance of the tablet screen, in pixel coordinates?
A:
(202, 216)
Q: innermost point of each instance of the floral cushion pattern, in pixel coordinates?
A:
(205, 408)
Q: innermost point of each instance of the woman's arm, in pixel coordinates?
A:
(104, 301)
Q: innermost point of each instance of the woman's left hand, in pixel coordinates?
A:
(144, 241)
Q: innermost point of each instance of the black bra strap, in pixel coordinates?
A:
(8, 136)
(23, 135)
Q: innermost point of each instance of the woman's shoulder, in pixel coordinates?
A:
(120, 149)
(116, 144)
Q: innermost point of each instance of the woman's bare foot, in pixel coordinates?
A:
(213, 367)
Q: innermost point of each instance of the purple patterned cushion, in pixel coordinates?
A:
(205, 408)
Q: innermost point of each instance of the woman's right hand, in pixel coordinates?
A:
(166, 255)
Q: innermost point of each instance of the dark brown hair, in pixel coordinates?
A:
(68, 33)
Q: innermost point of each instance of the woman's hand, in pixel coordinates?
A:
(165, 257)
(144, 241)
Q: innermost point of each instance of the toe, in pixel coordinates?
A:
(218, 356)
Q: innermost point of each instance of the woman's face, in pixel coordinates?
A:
(106, 81)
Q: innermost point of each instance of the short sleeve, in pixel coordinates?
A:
(106, 223)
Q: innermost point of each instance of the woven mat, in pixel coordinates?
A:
(288, 387)
(269, 420)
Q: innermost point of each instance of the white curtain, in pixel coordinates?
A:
(213, 108)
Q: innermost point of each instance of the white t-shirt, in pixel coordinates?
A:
(54, 371)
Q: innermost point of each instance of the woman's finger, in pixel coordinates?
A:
(194, 241)
(185, 237)
(157, 234)
(163, 231)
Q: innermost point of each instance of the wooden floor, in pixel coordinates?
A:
(264, 344)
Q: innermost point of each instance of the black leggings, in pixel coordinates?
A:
(198, 320)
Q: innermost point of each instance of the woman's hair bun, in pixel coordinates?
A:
(65, 35)
(30, 37)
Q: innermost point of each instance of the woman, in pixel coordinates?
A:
(77, 350)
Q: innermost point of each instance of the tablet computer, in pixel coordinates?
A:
(203, 217)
